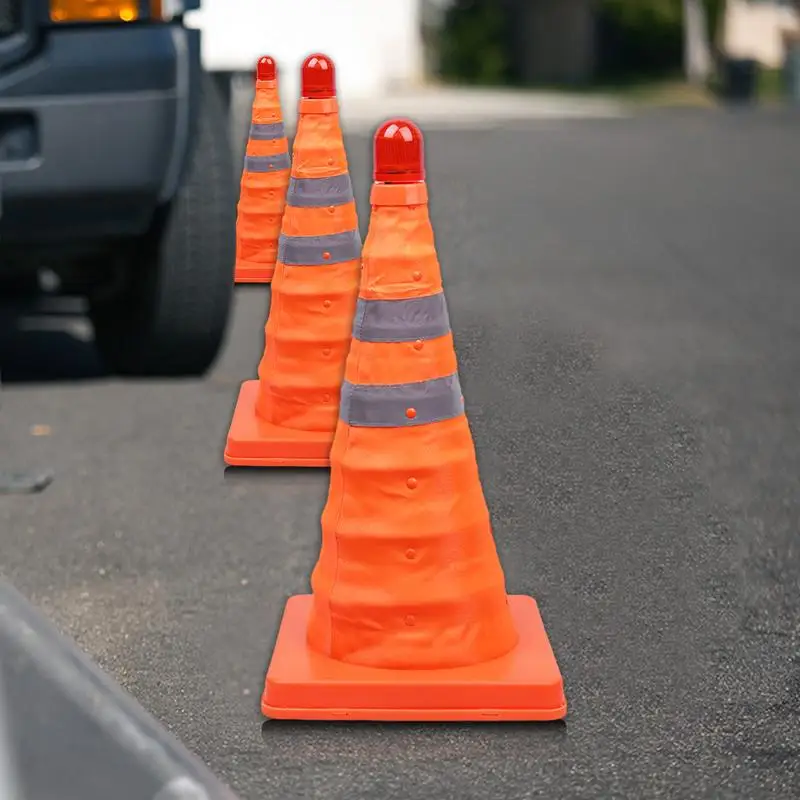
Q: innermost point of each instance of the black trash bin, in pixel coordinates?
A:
(740, 79)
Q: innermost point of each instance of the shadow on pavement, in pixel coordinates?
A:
(244, 474)
(42, 345)
(545, 730)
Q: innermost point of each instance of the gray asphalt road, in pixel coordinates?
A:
(625, 299)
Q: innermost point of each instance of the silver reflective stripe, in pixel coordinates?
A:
(311, 251)
(435, 400)
(266, 163)
(264, 131)
(401, 320)
(319, 192)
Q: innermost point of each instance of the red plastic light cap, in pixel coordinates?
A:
(399, 153)
(318, 77)
(266, 69)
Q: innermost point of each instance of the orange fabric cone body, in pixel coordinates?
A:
(265, 178)
(409, 617)
(288, 416)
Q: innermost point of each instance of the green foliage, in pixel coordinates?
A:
(716, 12)
(473, 46)
(645, 16)
(638, 38)
(645, 37)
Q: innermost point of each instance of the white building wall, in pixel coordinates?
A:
(755, 29)
(375, 44)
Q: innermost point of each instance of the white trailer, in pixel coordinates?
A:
(375, 44)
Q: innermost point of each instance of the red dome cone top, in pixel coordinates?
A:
(318, 77)
(266, 69)
(399, 153)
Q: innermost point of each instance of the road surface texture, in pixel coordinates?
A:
(625, 299)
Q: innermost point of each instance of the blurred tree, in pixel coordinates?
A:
(637, 38)
(648, 38)
(473, 45)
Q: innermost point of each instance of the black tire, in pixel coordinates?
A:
(171, 316)
(19, 284)
(223, 81)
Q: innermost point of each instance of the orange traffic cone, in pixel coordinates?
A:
(409, 617)
(264, 181)
(288, 416)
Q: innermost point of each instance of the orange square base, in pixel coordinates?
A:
(246, 272)
(252, 442)
(524, 685)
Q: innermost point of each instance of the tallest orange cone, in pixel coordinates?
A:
(409, 617)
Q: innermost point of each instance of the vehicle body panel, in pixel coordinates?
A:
(95, 126)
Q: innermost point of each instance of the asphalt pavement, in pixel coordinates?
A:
(624, 296)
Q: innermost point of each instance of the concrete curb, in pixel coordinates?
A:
(448, 109)
(60, 708)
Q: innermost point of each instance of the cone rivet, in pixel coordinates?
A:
(410, 621)
(411, 413)
(330, 162)
(418, 344)
(326, 398)
(332, 210)
(411, 554)
(417, 276)
(326, 351)
(326, 303)
(326, 255)
(411, 483)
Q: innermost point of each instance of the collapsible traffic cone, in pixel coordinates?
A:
(409, 617)
(288, 416)
(265, 178)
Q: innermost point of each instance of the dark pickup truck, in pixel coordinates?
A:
(116, 175)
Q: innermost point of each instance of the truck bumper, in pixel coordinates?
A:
(94, 132)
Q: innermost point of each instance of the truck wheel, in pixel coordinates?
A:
(171, 315)
(223, 81)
